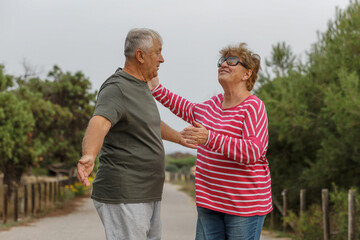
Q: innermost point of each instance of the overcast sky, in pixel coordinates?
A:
(88, 36)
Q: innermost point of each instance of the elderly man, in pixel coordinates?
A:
(126, 127)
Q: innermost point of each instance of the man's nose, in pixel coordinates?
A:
(161, 58)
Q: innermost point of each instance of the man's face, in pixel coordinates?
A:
(153, 58)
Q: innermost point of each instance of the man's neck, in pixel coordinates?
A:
(133, 71)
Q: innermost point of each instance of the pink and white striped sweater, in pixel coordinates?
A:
(232, 172)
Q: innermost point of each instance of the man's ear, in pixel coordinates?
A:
(139, 55)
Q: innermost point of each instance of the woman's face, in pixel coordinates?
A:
(231, 70)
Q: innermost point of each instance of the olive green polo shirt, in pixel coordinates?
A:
(131, 168)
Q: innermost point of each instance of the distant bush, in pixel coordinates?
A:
(182, 164)
(79, 189)
(37, 171)
(171, 168)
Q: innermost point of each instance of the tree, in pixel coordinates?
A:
(6, 81)
(282, 59)
(314, 110)
(42, 121)
(292, 130)
(335, 67)
(339, 152)
(51, 120)
(16, 126)
(62, 114)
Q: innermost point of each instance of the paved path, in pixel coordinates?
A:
(178, 214)
(178, 217)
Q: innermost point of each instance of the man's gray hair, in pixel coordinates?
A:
(140, 38)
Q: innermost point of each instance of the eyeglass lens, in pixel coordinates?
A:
(231, 61)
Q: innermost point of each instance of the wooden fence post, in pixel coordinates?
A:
(45, 195)
(33, 198)
(272, 218)
(39, 186)
(5, 203)
(325, 209)
(351, 212)
(284, 194)
(61, 186)
(16, 203)
(25, 200)
(187, 177)
(302, 201)
(56, 189)
(172, 177)
(50, 192)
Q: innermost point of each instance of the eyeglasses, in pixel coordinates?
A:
(231, 61)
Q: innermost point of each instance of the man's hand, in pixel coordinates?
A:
(195, 135)
(170, 134)
(153, 83)
(84, 168)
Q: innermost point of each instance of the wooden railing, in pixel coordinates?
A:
(181, 176)
(31, 199)
(282, 208)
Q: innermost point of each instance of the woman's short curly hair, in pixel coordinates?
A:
(250, 59)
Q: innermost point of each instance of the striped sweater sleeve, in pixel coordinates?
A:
(252, 146)
(177, 105)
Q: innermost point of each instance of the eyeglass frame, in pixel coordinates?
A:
(223, 59)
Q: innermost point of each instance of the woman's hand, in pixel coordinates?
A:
(195, 135)
(184, 142)
(153, 83)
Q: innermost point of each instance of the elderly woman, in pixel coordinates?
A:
(233, 183)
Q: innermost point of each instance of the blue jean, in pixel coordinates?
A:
(213, 225)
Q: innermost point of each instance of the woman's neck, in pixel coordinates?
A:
(234, 96)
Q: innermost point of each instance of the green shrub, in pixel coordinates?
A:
(310, 224)
(66, 194)
(183, 164)
(171, 168)
(79, 189)
(339, 213)
(37, 171)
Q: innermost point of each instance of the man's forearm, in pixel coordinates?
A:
(169, 134)
(94, 136)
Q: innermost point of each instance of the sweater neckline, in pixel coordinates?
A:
(234, 107)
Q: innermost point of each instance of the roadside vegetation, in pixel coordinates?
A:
(313, 106)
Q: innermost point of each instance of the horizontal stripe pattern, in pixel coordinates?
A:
(232, 172)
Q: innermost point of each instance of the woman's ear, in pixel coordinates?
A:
(247, 75)
(139, 55)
